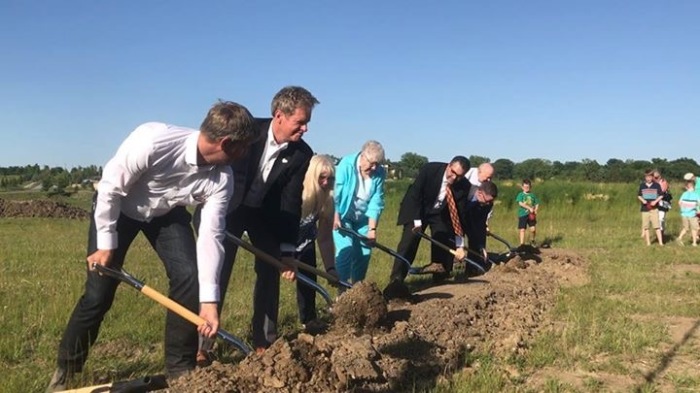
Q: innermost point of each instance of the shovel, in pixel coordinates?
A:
(511, 250)
(446, 248)
(372, 243)
(298, 264)
(170, 304)
(267, 258)
(141, 385)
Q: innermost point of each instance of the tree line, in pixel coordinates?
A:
(614, 170)
(48, 178)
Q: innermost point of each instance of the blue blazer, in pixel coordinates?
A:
(346, 178)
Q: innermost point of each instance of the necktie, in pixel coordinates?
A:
(452, 206)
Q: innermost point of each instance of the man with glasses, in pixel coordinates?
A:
(477, 216)
(427, 204)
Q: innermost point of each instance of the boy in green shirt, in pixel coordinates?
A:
(528, 203)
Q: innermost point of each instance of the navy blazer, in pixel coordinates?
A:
(281, 204)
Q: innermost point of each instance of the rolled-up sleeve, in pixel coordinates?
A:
(210, 242)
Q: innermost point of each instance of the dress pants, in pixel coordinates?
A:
(440, 230)
(172, 238)
(306, 296)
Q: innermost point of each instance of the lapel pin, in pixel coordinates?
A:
(284, 160)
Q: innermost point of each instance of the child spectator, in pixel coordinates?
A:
(689, 203)
(665, 203)
(527, 211)
(649, 195)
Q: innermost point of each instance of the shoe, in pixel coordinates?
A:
(396, 289)
(434, 268)
(204, 358)
(315, 326)
(439, 278)
(59, 380)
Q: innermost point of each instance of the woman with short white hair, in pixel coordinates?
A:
(359, 202)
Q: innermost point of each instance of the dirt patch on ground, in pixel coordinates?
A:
(40, 208)
(405, 345)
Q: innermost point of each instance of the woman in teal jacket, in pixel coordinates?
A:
(359, 201)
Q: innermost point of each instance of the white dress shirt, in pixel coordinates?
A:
(154, 170)
(473, 176)
(270, 153)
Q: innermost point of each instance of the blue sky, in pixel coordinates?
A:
(560, 80)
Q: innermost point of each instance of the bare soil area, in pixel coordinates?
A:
(40, 208)
(404, 346)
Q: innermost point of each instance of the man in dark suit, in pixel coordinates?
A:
(267, 202)
(425, 204)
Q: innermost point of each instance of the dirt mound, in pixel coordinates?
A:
(40, 208)
(414, 343)
(360, 307)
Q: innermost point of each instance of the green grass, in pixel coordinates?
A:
(606, 325)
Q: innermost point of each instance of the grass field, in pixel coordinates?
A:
(633, 327)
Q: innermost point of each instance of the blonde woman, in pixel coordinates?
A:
(316, 226)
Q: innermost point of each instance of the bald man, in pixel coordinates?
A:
(476, 176)
(476, 214)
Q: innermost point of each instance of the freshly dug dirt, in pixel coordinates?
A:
(40, 208)
(405, 346)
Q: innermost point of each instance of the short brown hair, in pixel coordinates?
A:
(229, 119)
(290, 98)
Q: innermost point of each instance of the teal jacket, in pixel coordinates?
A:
(346, 178)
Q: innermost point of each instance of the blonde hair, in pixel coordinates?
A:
(314, 198)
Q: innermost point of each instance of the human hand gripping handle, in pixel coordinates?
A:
(99, 257)
(288, 271)
(177, 308)
(209, 312)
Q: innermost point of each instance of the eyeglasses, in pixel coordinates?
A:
(326, 177)
(455, 173)
(370, 162)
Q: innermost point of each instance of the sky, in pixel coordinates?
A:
(558, 80)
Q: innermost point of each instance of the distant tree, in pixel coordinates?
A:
(533, 168)
(475, 161)
(410, 163)
(503, 168)
(677, 168)
(590, 170)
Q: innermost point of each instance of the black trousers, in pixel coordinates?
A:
(172, 238)
(267, 283)
(440, 230)
(476, 231)
(306, 296)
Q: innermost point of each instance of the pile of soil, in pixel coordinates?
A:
(405, 345)
(40, 208)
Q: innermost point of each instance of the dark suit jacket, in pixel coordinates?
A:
(281, 204)
(422, 193)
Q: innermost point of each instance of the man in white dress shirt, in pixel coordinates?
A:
(159, 170)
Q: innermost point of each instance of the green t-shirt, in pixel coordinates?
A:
(529, 199)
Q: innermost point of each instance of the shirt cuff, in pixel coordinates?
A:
(459, 241)
(107, 241)
(417, 223)
(208, 292)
